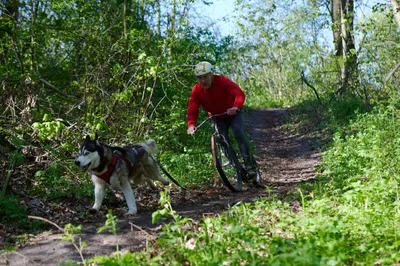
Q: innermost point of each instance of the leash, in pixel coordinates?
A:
(192, 191)
(176, 182)
(167, 174)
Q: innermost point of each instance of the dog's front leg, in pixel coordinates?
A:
(99, 192)
(129, 197)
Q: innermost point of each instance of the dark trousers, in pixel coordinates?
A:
(236, 122)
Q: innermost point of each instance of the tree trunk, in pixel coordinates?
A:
(343, 25)
(172, 19)
(34, 7)
(336, 20)
(396, 10)
(125, 19)
(78, 46)
(126, 36)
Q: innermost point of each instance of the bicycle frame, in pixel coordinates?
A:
(216, 133)
(223, 146)
(212, 117)
(241, 173)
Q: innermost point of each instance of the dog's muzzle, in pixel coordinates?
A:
(83, 167)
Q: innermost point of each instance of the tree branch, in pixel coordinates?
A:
(303, 78)
(55, 88)
(392, 72)
(46, 220)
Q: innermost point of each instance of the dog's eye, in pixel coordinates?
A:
(86, 153)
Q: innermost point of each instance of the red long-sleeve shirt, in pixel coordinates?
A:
(222, 95)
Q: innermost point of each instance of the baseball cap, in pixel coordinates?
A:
(203, 68)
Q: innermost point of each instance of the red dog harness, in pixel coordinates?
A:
(106, 175)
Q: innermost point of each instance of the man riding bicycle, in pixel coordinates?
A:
(218, 94)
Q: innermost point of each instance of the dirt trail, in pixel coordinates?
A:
(285, 157)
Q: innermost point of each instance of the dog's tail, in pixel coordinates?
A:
(152, 147)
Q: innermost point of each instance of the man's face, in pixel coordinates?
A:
(206, 80)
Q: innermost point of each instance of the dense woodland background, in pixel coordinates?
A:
(123, 69)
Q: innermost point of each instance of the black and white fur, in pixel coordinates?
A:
(94, 154)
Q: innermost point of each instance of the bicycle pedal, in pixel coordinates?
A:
(245, 176)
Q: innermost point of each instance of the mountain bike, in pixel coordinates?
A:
(231, 170)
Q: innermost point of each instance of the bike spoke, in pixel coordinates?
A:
(228, 168)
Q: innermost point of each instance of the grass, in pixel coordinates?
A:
(349, 216)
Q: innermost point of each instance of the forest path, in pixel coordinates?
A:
(285, 157)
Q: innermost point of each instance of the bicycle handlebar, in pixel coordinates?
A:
(212, 116)
(209, 118)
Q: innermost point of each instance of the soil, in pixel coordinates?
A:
(286, 158)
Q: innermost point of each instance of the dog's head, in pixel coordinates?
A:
(90, 154)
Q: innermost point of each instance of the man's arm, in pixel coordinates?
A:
(233, 89)
(193, 108)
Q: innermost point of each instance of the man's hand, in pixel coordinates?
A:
(232, 111)
(191, 130)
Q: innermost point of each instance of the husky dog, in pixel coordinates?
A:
(118, 166)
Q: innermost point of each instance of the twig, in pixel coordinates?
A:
(10, 171)
(138, 227)
(71, 237)
(392, 72)
(55, 88)
(46, 220)
(303, 78)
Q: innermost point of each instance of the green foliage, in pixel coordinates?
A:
(53, 181)
(279, 43)
(14, 215)
(48, 130)
(165, 202)
(342, 110)
(111, 226)
(368, 146)
(60, 177)
(69, 235)
(11, 211)
(125, 260)
(186, 157)
(361, 174)
(15, 159)
(379, 37)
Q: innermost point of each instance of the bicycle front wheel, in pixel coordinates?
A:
(227, 164)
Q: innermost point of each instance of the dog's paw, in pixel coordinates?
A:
(131, 214)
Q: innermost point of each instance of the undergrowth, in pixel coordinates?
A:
(349, 217)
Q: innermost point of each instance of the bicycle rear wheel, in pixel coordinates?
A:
(227, 164)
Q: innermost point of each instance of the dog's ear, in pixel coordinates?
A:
(96, 138)
(87, 138)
